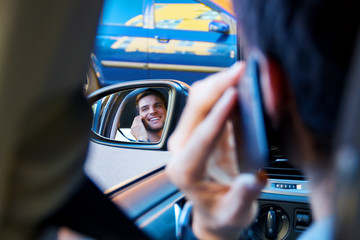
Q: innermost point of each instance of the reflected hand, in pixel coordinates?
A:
(219, 211)
(138, 129)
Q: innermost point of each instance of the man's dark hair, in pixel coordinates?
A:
(147, 93)
(313, 42)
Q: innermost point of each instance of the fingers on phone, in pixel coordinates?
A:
(189, 162)
(203, 96)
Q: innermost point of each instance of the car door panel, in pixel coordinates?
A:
(111, 167)
(181, 42)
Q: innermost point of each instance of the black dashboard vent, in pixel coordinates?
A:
(281, 169)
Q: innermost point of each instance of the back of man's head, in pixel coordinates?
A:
(312, 40)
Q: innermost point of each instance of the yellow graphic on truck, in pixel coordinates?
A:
(185, 16)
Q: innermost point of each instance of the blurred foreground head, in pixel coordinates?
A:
(313, 42)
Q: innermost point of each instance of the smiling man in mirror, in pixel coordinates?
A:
(149, 124)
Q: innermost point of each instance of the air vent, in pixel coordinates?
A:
(281, 169)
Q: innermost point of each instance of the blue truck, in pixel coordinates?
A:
(185, 40)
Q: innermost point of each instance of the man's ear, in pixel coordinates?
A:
(274, 88)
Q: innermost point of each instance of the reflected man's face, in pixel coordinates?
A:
(153, 112)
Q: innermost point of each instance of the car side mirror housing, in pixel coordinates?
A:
(115, 108)
(219, 26)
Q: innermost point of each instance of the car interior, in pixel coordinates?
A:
(153, 203)
(149, 199)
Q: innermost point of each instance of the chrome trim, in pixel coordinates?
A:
(184, 68)
(303, 188)
(159, 66)
(139, 65)
(177, 212)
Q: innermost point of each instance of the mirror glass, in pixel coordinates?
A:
(134, 115)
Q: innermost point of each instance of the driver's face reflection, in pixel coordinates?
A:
(153, 112)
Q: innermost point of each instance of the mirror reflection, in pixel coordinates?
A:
(136, 115)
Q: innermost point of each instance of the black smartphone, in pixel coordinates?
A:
(254, 153)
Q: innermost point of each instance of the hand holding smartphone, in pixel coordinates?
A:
(251, 126)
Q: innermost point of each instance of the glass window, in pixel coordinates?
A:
(125, 13)
(183, 15)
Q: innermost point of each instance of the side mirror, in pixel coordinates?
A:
(114, 111)
(219, 26)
